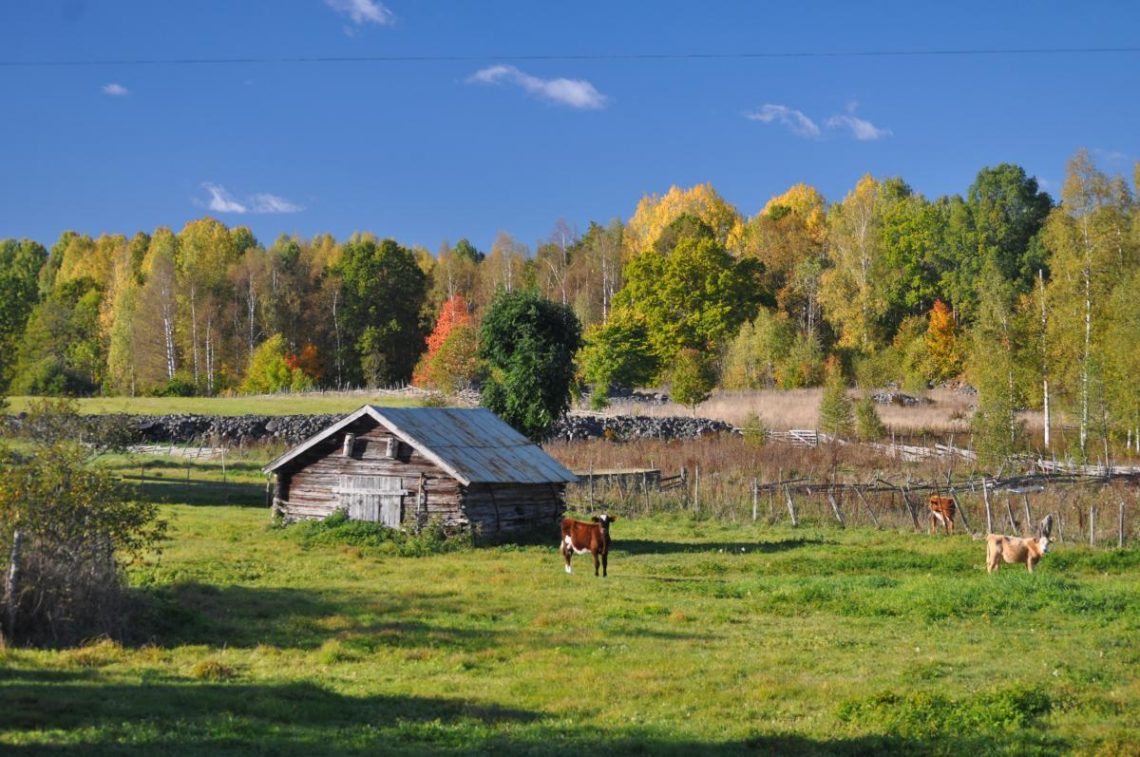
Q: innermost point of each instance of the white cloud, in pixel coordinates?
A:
(795, 120)
(222, 201)
(573, 93)
(862, 129)
(362, 12)
(114, 89)
(267, 203)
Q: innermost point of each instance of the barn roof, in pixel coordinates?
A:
(472, 444)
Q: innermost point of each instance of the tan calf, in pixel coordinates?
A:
(1014, 549)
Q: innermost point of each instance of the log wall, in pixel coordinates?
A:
(306, 487)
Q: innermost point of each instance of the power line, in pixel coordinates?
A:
(325, 59)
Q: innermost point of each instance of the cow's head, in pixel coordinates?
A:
(604, 520)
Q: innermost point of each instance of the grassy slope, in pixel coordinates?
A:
(284, 404)
(712, 637)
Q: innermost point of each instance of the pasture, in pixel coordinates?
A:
(709, 635)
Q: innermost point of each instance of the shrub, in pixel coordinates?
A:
(66, 529)
(868, 425)
(835, 411)
(693, 378)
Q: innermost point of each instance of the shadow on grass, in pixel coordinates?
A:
(189, 717)
(196, 492)
(245, 617)
(647, 547)
(184, 716)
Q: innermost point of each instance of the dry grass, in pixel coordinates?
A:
(727, 465)
(781, 409)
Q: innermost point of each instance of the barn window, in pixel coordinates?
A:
(392, 451)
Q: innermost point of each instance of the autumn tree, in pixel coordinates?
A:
(655, 213)
(943, 353)
(1089, 248)
(449, 362)
(851, 289)
(693, 295)
(273, 369)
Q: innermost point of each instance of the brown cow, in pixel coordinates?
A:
(942, 511)
(579, 538)
(1014, 549)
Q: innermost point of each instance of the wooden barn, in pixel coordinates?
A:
(406, 466)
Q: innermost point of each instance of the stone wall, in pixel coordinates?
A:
(292, 429)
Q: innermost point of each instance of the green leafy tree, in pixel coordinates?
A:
(270, 370)
(20, 264)
(868, 425)
(384, 293)
(61, 352)
(836, 414)
(1089, 251)
(528, 344)
(693, 378)
(994, 368)
(692, 295)
(616, 354)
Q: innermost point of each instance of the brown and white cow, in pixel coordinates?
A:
(1014, 549)
(942, 511)
(579, 537)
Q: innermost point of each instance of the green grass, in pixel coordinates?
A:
(316, 403)
(706, 637)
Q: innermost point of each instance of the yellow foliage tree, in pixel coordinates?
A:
(942, 347)
(655, 212)
(808, 204)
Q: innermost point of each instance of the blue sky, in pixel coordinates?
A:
(500, 138)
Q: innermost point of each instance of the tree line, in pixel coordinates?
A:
(1025, 296)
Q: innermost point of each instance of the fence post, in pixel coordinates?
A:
(909, 507)
(989, 510)
(1092, 525)
(961, 511)
(645, 490)
(592, 484)
(791, 506)
(867, 505)
(756, 498)
(1120, 527)
(1009, 512)
(1028, 513)
(696, 488)
(835, 507)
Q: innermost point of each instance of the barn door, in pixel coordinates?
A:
(378, 499)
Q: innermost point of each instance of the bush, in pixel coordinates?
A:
(836, 416)
(66, 529)
(868, 425)
(693, 378)
(338, 530)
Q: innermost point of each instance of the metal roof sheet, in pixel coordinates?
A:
(473, 444)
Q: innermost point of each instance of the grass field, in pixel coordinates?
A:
(707, 636)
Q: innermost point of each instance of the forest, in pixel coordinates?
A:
(1026, 297)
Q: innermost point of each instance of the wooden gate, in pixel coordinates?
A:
(379, 499)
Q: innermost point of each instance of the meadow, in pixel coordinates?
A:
(711, 634)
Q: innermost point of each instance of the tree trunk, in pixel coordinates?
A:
(1044, 358)
(12, 583)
